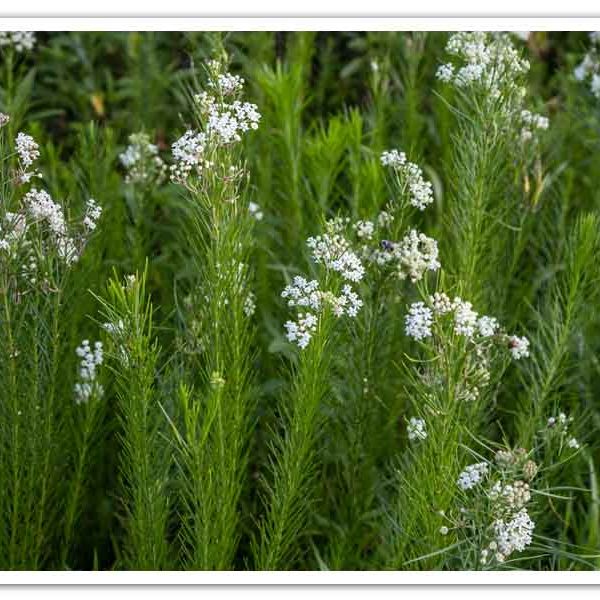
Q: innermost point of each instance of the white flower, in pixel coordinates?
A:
(142, 161)
(90, 361)
(92, 214)
(333, 251)
(225, 122)
(444, 530)
(306, 294)
(513, 535)
(411, 177)
(465, 318)
(393, 158)
(250, 304)
(514, 495)
(445, 72)
(27, 149)
(488, 61)
(418, 321)
(573, 443)
(416, 254)
(441, 303)
(189, 148)
(303, 293)
(42, 209)
(19, 40)
(472, 475)
(518, 346)
(301, 331)
(384, 219)
(255, 211)
(530, 122)
(587, 66)
(347, 303)
(416, 429)
(364, 229)
(4, 119)
(487, 326)
(229, 84)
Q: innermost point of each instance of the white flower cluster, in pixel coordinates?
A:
(515, 495)
(92, 215)
(518, 346)
(12, 229)
(531, 122)
(418, 321)
(364, 230)
(411, 178)
(91, 359)
(307, 296)
(4, 119)
(333, 251)
(415, 255)
(410, 258)
(512, 535)
(502, 487)
(41, 208)
(225, 118)
(301, 331)
(250, 304)
(44, 211)
(303, 293)
(589, 68)
(228, 84)
(19, 40)
(28, 152)
(27, 149)
(445, 317)
(226, 123)
(188, 152)
(141, 160)
(489, 61)
(416, 429)
(465, 322)
(561, 424)
(511, 527)
(255, 211)
(472, 476)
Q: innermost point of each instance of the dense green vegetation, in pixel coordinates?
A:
(163, 405)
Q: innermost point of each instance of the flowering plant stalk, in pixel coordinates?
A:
(292, 463)
(39, 247)
(495, 141)
(16, 79)
(208, 165)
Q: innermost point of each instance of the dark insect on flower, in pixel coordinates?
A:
(387, 245)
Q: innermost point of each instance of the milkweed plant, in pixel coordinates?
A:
(281, 301)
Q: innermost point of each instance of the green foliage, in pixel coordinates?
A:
(204, 439)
